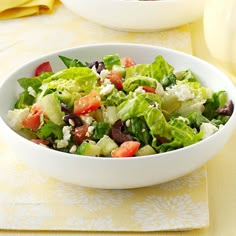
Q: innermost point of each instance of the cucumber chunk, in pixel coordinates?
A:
(145, 151)
(88, 149)
(52, 107)
(107, 145)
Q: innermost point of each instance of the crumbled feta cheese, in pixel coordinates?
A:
(107, 89)
(16, 116)
(106, 82)
(32, 91)
(127, 123)
(103, 74)
(71, 122)
(181, 91)
(66, 133)
(73, 149)
(61, 143)
(208, 129)
(139, 90)
(90, 131)
(87, 119)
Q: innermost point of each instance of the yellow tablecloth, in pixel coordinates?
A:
(19, 34)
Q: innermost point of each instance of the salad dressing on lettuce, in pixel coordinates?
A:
(117, 108)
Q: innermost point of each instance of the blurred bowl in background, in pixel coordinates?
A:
(138, 16)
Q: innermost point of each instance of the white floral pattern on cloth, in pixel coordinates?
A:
(30, 200)
(38, 202)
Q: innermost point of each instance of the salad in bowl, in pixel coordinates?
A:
(117, 116)
(117, 108)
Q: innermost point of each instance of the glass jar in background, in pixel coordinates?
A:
(220, 31)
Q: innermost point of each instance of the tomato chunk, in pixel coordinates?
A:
(126, 149)
(116, 79)
(40, 141)
(44, 67)
(88, 103)
(32, 121)
(127, 62)
(149, 89)
(80, 133)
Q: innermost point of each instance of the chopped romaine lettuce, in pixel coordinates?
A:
(50, 129)
(154, 107)
(131, 83)
(71, 62)
(111, 60)
(84, 78)
(139, 129)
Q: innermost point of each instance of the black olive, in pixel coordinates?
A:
(73, 120)
(226, 110)
(117, 135)
(99, 65)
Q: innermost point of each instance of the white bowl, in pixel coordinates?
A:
(116, 173)
(134, 15)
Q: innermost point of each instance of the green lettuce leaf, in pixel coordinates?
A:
(71, 62)
(131, 83)
(84, 78)
(160, 68)
(138, 70)
(157, 123)
(24, 100)
(139, 130)
(133, 107)
(100, 129)
(50, 129)
(217, 100)
(137, 105)
(34, 82)
(111, 60)
(196, 119)
(182, 136)
(114, 98)
(186, 75)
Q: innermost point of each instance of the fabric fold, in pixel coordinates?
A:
(15, 9)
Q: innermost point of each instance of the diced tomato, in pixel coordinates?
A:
(149, 89)
(40, 141)
(88, 103)
(127, 62)
(44, 67)
(80, 133)
(126, 149)
(32, 121)
(116, 79)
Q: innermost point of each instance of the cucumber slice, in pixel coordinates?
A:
(107, 145)
(52, 108)
(145, 151)
(88, 149)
